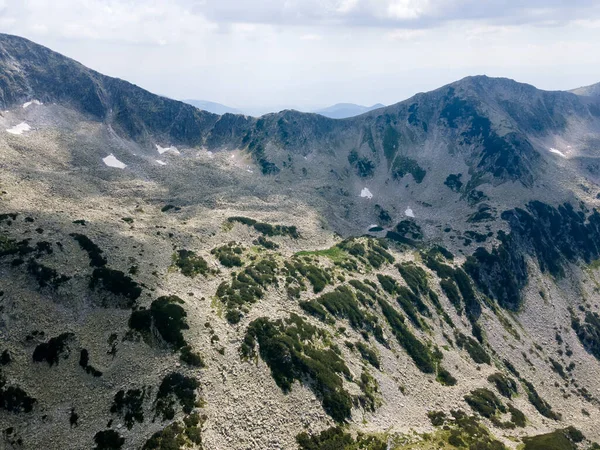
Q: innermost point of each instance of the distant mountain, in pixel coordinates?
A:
(345, 110)
(212, 107)
(174, 278)
(588, 91)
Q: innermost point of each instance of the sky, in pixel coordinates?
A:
(267, 55)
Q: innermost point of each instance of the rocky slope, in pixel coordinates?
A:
(421, 276)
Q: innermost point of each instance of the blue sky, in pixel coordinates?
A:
(271, 54)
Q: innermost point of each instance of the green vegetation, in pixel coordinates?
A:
(539, 403)
(336, 438)
(52, 350)
(370, 399)
(116, 282)
(462, 431)
(390, 142)
(178, 435)
(388, 284)
(247, 287)
(444, 377)
(588, 332)
(84, 358)
(14, 399)
(475, 350)
(266, 228)
(108, 440)
(415, 277)
(166, 316)
(364, 166)
(229, 255)
(342, 303)
(189, 357)
(264, 242)
(289, 347)
(565, 439)
(404, 165)
(368, 354)
(505, 385)
(93, 251)
(318, 277)
(371, 252)
(422, 356)
(453, 182)
(449, 288)
(406, 232)
(175, 387)
(189, 263)
(46, 276)
(130, 406)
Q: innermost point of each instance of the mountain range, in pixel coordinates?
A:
(420, 276)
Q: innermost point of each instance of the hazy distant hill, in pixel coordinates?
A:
(344, 110)
(592, 90)
(215, 108)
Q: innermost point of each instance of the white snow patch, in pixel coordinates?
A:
(373, 226)
(162, 150)
(249, 171)
(558, 152)
(111, 161)
(19, 129)
(409, 212)
(32, 102)
(366, 193)
(162, 163)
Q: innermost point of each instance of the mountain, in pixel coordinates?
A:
(212, 107)
(345, 110)
(589, 91)
(424, 275)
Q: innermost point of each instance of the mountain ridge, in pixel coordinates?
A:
(420, 276)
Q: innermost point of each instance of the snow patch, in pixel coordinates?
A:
(19, 129)
(32, 102)
(162, 150)
(366, 193)
(111, 161)
(558, 152)
(162, 163)
(409, 212)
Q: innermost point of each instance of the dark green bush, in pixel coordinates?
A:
(229, 255)
(14, 399)
(178, 435)
(175, 386)
(485, 403)
(368, 354)
(444, 377)
(189, 263)
(46, 276)
(420, 353)
(539, 403)
(117, 283)
(475, 350)
(52, 350)
(93, 251)
(288, 348)
(130, 406)
(505, 385)
(166, 316)
(191, 358)
(108, 440)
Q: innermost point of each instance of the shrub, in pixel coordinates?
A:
(46, 276)
(175, 386)
(178, 435)
(190, 357)
(166, 316)
(539, 403)
(84, 358)
(505, 385)
(116, 282)
(129, 405)
(444, 377)
(475, 350)
(368, 354)
(108, 440)
(288, 348)
(14, 399)
(419, 352)
(94, 252)
(52, 350)
(189, 263)
(485, 403)
(229, 255)
(564, 439)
